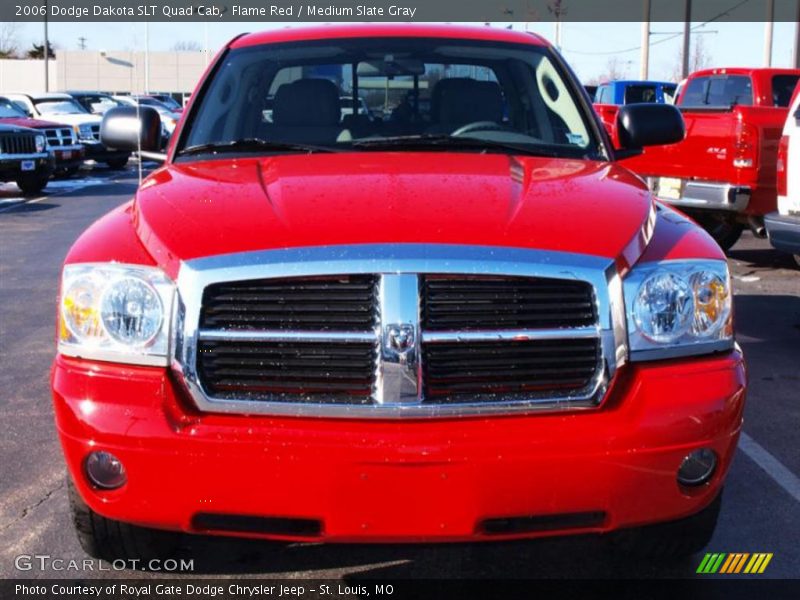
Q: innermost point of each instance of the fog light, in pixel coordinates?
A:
(105, 470)
(697, 468)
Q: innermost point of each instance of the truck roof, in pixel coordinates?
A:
(42, 95)
(744, 71)
(322, 32)
(637, 82)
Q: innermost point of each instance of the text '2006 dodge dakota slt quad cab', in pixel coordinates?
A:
(461, 321)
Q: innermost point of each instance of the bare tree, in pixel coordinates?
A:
(9, 43)
(700, 58)
(37, 51)
(187, 46)
(615, 69)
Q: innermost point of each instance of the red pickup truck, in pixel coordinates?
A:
(466, 322)
(723, 173)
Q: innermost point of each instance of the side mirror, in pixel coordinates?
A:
(640, 125)
(131, 128)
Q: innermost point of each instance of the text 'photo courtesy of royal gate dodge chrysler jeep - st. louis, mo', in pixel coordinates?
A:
(467, 321)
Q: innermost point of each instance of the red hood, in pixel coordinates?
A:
(32, 123)
(192, 210)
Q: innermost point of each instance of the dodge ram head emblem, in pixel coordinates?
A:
(399, 339)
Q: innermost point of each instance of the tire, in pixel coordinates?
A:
(117, 163)
(673, 540)
(725, 231)
(32, 184)
(113, 540)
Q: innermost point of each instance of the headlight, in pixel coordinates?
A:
(115, 312)
(678, 308)
(41, 143)
(85, 132)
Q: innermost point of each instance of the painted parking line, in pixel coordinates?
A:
(771, 465)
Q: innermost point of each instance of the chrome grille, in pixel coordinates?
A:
(17, 143)
(59, 136)
(411, 331)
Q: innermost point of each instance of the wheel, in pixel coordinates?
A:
(117, 163)
(107, 539)
(672, 540)
(724, 230)
(32, 183)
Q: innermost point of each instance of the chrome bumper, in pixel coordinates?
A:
(784, 232)
(706, 195)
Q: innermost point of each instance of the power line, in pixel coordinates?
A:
(663, 40)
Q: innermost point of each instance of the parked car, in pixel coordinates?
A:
(63, 108)
(482, 329)
(168, 101)
(62, 140)
(24, 158)
(96, 103)
(783, 225)
(630, 91)
(169, 119)
(723, 173)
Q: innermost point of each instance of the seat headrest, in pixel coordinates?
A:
(459, 101)
(307, 103)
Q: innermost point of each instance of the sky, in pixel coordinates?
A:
(588, 47)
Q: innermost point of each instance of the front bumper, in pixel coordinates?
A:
(69, 156)
(410, 480)
(784, 232)
(704, 195)
(98, 152)
(11, 165)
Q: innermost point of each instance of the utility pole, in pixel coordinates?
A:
(768, 27)
(46, 50)
(797, 37)
(146, 57)
(644, 68)
(82, 43)
(687, 30)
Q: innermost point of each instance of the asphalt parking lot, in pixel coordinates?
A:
(761, 502)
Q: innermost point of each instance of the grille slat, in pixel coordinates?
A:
(339, 303)
(17, 143)
(486, 371)
(472, 303)
(339, 372)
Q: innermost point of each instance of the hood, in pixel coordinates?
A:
(77, 119)
(27, 122)
(199, 209)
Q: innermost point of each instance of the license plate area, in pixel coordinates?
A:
(669, 188)
(28, 165)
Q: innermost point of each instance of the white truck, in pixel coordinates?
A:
(783, 226)
(63, 108)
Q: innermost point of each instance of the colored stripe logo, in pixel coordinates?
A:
(734, 563)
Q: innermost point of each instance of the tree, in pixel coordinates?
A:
(38, 51)
(8, 40)
(615, 69)
(699, 58)
(186, 46)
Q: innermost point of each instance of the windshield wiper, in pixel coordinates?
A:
(253, 144)
(444, 140)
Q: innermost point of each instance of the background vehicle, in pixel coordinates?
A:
(24, 158)
(167, 101)
(169, 119)
(723, 173)
(96, 103)
(63, 108)
(783, 225)
(400, 333)
(632, 91)
(62, 141)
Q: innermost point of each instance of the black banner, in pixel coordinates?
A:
(328, 11)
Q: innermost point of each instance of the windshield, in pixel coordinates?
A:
(367, 94)
(59, 107)
(98, 104)
(9, 110)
